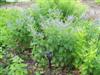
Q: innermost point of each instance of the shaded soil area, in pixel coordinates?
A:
(93, 9)
(20, 5)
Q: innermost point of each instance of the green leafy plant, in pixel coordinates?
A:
(97, 65)
(5, 16)
(21, 32)
(97, 1)
(74, 45)
(17, 67)
(73, 7)
(1, 56)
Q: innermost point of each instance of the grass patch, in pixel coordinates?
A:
(97, 1)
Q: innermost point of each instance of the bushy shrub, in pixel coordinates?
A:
(19, 30)
(74, 44)
(5, 16)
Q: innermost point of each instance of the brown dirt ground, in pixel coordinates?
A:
(20, 5)
(94, 9)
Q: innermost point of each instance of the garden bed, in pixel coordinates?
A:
(51, 38)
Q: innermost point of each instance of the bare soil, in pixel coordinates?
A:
(20, 5)
(93, 9)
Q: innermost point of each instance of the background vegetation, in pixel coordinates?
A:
(97, 1)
